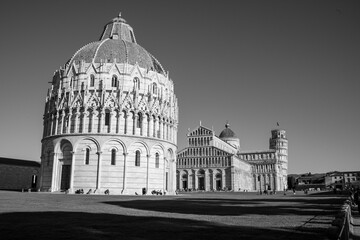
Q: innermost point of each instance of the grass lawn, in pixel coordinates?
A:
(186, 216)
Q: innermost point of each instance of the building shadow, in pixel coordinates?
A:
(79, 225)
(233, 207)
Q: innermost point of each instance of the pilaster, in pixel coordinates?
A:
(124, 191)
(98, 179)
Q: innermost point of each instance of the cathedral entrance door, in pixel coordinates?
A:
(65, 177)
(218, 184)
(201, 183)
(185, 185)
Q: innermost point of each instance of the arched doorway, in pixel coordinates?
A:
(218, 181)
(65, 158)
(201, 179)
(184, 180)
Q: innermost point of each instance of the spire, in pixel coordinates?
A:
(227, 125)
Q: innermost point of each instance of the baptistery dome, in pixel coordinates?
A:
(110, 120)
(117, 44)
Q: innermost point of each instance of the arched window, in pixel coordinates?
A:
(87, 156)
(157, 160)
(139, 120)
(114, 81)
(154, 88)
(136, 83)
(92, 80)
(137, 158)
(113, 157)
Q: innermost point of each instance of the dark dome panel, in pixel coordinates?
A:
(111, 49)
(86, 53)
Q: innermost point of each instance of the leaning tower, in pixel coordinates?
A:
(279, 143)
(110, 120)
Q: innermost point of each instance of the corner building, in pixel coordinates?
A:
(213, 162)
(110, 120)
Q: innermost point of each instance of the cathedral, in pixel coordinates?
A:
(213, 163)
(110, 120)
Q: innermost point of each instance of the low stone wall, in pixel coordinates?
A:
(341, 226)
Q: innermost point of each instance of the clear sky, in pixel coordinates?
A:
(253, 63)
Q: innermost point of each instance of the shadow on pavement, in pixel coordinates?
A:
(78, 225)
(231, 207)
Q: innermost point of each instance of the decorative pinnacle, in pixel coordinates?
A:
(119, 15)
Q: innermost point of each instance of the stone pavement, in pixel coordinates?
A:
(355, 223)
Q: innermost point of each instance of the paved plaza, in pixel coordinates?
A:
(185, 216)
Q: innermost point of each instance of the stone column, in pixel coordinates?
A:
(155, 128)
(146, 122)
(62, 122)
(101, 121)
(50, 125)
(160, 129)
(147, 172)
(276, 186)
(68, 127)
(56, 123)
(178, 179)
(150, 126)
(163, 130)
(126, 123)
(92, 122)
(213, 180)
(110, 130)
(223, 180)
(77, 114)
(206, 180)
(232, 178)
(124, 191)
(196, 181)
(172, 171)
(84, 117)
(71, 190)
(190, 179)
(98, 180)
(118, 130)
(134, 132)
(54, 172)
(164, 174)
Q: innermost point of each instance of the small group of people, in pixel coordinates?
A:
(157, 192)
(81, 191)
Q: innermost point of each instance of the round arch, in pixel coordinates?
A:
(122, 144)
(93, 140)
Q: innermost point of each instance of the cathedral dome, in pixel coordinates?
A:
(227, 133)
(117, 44)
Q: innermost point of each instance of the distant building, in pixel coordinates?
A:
(18, 174)
(213, 162)
(342, 180)
(307, 181)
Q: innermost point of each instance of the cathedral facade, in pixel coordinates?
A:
(110, 120)
(213, 162)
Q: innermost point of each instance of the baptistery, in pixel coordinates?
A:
(110, 120)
